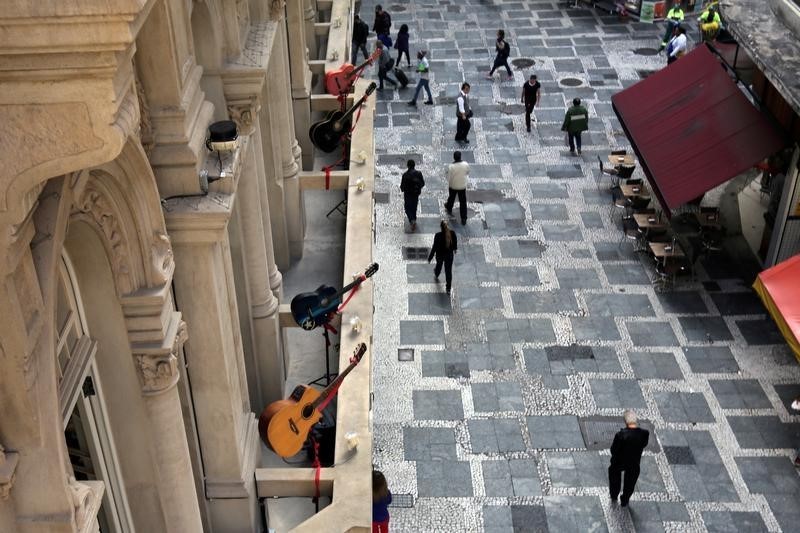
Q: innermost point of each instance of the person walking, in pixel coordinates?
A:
(576, 121)
(445, 245)
(401, 45)
(626, 454)
(457, 173)
(423, 70)
(530, 97)
(677, 46)
(411, 185)
(381, 498)
(463, 114)
(360, 33)
(382, 25)
(501, 59)
(674, 19)
(385, 64)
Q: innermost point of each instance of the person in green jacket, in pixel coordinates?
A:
(576, 120)
(710, 23)
(674, 20)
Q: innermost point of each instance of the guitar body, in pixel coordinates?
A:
(327, 134)
(340, 80)
(288, 422)
(311, 309)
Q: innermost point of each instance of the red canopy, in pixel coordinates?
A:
(693, 128)
(779, 288)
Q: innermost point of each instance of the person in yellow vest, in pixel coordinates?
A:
(674, 20)
(710, 23)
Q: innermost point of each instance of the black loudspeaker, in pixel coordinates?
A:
(324, 432)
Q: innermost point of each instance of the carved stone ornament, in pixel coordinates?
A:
(99, 208)
(276, 9)
(8, 466)
(162, 258)
(159, 372)
(82, 497)
(244, 114)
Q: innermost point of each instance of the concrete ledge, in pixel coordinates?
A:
(317, 66)
(327, 102)
(272, 482)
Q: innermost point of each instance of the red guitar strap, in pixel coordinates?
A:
(330, 328)
(363, 278)
(317, 471)
(327, 177)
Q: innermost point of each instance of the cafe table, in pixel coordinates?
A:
(633, 191)
(664, 250)
(648, 221)
(626, 160)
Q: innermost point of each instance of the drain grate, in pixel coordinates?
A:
(405, 501)
(415, 253)
(381, 197)
(523, 62)
(405, 354)
(598, 432)
(571, 82)
(645, 51)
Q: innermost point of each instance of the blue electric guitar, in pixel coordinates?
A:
(312, 309)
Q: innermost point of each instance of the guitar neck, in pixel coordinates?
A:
(352, 109)
(334, 386)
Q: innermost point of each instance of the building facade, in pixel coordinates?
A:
(141, 275)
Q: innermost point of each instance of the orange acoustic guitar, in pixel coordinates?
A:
(341, 80)
(286, 423)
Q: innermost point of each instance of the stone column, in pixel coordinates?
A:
(158, 375)
(301, 78)
(309, 18)
(258, 258)
(279, 82)
(204, 292)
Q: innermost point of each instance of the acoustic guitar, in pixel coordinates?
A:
(286, 423)
(327, 134)
(311, 309)
(341, 80)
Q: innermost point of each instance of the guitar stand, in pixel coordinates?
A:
(328, 375)
(341, 207)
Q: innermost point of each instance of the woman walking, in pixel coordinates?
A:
(501, 59)
(445, 245)
(401, 45)
(381, 498)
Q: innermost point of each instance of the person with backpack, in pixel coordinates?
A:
(445, 246)
(385, 64)
(501, 59)
(423, 70)
(401, 45)
(411, 185)
(360, 34)
(382, 24)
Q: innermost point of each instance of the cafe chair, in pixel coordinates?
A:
(607, 171)
(625, 171)
(668, 271)
(709, 216)
(619, 203)
(631, 232)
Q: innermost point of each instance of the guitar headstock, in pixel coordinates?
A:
(361, 349)
(370, 271)
(370, 89)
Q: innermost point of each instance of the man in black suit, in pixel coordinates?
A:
(626, 454)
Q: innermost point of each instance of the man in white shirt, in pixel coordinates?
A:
(457, 174)
(463, 114)
(677, 46)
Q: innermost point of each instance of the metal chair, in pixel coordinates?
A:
(606, 171)
(631, 232)
(618, 203)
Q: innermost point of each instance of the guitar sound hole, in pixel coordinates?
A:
(308, 410)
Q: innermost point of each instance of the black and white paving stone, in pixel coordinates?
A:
(502, 420)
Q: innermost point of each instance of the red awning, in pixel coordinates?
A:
(779, 288)
(693, 128)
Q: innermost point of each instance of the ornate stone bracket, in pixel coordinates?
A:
(276, 9)
(244, 114)
(158, 370)
(161, 257)
(8, 467)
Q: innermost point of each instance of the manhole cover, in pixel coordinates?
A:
(405, 354)
(412, 253)
(402, 500)
(381, 197)
(645, 51)
(598, 432)
(571, 82)
(645, 73)
(523, 62)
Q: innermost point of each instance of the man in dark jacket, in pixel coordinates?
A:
(411, 184)
(385, 64)
(626, 454)
(360, 33)
(576, 121)
(530, 97)
(383, 22)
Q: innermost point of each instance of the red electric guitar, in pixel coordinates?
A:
(284, 424)
(341, 80)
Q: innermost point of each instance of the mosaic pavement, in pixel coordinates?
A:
(503, 418)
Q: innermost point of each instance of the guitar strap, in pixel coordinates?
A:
(317, 466)
(363, 278)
